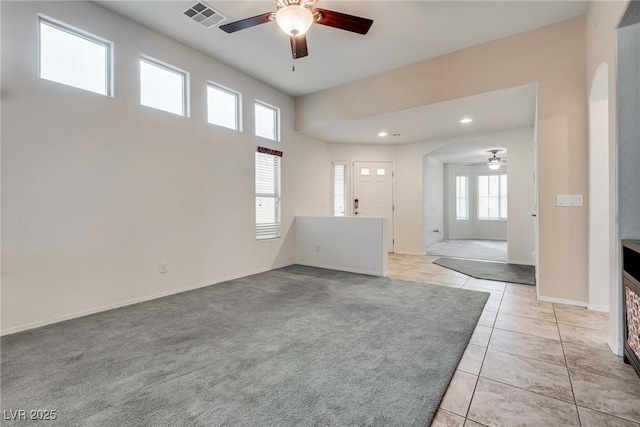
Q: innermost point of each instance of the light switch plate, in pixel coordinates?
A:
(569, 200)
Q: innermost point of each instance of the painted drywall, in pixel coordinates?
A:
(434, 200)
(629, 131)
(96, 191)
(471, 228)
(554, 58)
(411, 179)
(356, 244)
(601, 22)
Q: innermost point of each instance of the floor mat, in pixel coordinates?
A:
(498, 271)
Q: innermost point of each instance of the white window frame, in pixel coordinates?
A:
(168, 67)
(345, 165)
(54, 23)
(500, 216)
(238, 106)
(272, 230)
(276, 119)
(458, 197)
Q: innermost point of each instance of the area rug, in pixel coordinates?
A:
(290, 347)
(498, 271)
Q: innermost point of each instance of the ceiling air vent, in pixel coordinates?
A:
(204, 14)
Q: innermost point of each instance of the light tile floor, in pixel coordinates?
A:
(530, 363)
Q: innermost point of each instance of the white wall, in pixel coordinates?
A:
(96, 191)
(410, 182)
(471, 228)
(434, 201)
(356, 244)
(601, 38)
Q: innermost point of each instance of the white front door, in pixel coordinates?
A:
(373, 192)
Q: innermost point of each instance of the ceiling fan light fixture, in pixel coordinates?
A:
(294, 20)
(494, 165)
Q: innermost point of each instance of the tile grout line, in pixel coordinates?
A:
(482, 364)
(575, 402)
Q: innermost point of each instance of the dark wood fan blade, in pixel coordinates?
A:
(343, 21)
(247, 23)
(299, 46)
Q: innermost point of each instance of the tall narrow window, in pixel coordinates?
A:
(462, 197)
(223, 107)
(267, 193)
(492, 196)
(266, 118)
(339, 189)
(74, 58)
(163, 87)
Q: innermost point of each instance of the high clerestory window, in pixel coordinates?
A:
(74, 58)
(163, 86)
(223, 106)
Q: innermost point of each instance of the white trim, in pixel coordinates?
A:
(350, 270)
(88, 312)
(563, 301)
(616, 348)
(595, 307)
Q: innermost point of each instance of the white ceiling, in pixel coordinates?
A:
(404, 32)
(491, 112)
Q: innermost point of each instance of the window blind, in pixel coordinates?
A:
(267, 194)
(339, 194)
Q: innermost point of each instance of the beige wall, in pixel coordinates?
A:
(553, 57)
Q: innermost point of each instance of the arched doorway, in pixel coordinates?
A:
(601, 204)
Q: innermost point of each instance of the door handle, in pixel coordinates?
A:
(355, 203)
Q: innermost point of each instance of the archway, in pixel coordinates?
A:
(602, 252)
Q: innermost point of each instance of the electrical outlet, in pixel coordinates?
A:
(164, 267)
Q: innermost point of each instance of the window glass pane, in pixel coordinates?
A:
(462, 197)
(380, 172)
(266, 121)
(492, 196)
(74, 59)
(222, 107)
(364, 171)
(162, 88)
(339, 190)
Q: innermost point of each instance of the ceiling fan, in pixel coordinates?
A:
(295, 17)
(493, 162)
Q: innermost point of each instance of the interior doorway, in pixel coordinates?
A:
(373, 193)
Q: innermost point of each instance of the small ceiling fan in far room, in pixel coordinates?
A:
(493, 162)
(295, 17)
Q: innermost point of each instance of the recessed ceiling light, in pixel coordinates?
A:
(382, 133)
(466, 120)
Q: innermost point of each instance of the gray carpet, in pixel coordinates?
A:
(298, 346)
(492, 250)
(498, 271)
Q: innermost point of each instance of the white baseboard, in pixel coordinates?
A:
(563, 301)
(595, 307)
(107, 307)
(350, 270)
(511, 261)
(409, 253)
(614, 347)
